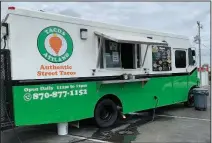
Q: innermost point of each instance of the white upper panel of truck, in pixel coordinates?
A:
(80, 21)
(46, 46)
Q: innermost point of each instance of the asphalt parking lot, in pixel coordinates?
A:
(171, 124)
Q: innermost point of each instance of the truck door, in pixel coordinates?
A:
(180, 77)
(192, 78)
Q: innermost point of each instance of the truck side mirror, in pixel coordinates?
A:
(4, 30)
(193, 53)
(194, 61)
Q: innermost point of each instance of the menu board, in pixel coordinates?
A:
(161, 58)
(115, 56)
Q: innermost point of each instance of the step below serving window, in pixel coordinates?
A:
(120, 55)
(161, 58)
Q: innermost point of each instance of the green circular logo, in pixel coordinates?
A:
(55, 44)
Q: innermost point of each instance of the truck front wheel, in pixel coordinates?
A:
(106, 113)
(190, 100)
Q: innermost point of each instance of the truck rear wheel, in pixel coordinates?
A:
(106, 113)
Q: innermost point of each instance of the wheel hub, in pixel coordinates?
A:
(106, 113)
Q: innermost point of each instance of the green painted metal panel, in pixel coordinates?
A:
(180, 88)
(53, 103)
(134, 97)
(193, 79)
(41, 104)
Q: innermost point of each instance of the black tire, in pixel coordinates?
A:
(106, 113)
(190, 102)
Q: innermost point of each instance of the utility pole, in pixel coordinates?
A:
(199, 42)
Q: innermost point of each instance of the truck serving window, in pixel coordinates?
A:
(123, 51)
(112, 54)
(128, 56)
(119, 55)
(161, 58)
(101, 54)
(180, 59)
(138, 55)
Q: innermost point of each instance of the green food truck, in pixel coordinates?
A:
(60, 69)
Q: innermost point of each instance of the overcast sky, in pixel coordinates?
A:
(179, 17)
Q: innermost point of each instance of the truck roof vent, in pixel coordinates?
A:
(11, 8)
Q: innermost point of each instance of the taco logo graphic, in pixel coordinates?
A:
(55, 44)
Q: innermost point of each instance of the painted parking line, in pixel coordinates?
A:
(180, 117)
(89, 139)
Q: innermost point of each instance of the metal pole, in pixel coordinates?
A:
(199, 41)
(62, 129)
